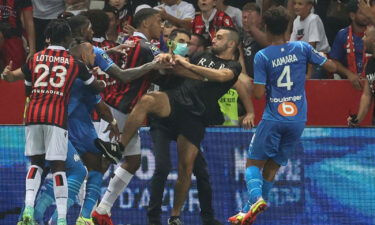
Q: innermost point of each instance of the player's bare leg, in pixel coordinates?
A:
(156, 103)
(187, 152)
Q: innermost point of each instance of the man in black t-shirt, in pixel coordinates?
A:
(192, 105)
(369, 88)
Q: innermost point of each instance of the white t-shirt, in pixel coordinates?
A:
(183, 10)
(235, 14)
(47, 9)
(310, 29)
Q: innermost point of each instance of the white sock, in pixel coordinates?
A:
(60, 189)
(33, 179)
(116, 186)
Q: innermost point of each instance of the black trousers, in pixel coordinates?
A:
(161, 139)
(40, 38)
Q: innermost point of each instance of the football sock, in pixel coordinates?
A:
(116, 186)
(60, 189)
(254, 182)
(33, 179)
(93, 188)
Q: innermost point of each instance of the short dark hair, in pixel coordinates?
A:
(57, 31)
(175, 32)
(99, 21)
(352, 6)
(202, 40)
(251, 6)
(142, 15)
(78, 22)
(234, 35)
(276, 20)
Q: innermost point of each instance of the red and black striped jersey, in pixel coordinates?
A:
(50, 74)
(124, 96)
(101, 75)
(221, 19)
(10, 12)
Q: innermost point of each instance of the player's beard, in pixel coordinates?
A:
(218, 50)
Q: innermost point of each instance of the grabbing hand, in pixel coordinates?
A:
(7, 71)
(356, 82)
(113, 131)
(353, 121)
(248, 121)
(181, 61)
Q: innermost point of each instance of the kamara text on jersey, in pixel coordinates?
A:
(284, 60)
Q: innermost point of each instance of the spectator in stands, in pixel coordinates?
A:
(198, 43)
(347, 49)
(254, 37)
(309, 27)
(233, 12)
(177, 12)
(113, 15)
(369, 86)
(336, 18)
(124, 16)
(210, 19)
(11, 13)
(43, 13)
(167, 30)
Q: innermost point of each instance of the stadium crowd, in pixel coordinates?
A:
(124, 53)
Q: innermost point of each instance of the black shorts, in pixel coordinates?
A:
(183, 122)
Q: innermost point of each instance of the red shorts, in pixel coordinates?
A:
(13, 50)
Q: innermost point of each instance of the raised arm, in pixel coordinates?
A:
(207, 74)
(12, 76)
(130, 74)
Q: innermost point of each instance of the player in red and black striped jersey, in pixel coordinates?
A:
(210, 19)
(122, 100)
(100, 23)
(50, 74)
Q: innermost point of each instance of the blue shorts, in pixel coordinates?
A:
(82, 136)
(73, 161)
(275, 140)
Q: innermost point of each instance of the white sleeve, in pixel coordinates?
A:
(239, 18)
(293, 36)
(313, 33)
(189, 12)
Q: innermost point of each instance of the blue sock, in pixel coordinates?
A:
(75, 180)
(267, 186)
(45, 199)
(254, 181)
(93, 189)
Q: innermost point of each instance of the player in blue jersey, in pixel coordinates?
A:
(280, 72)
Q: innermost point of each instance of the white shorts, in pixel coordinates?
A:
(46, 139)
(134, 146)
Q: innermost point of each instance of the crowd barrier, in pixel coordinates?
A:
(329, 103)
(329, 180)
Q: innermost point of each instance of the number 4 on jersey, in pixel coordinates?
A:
(288, 83)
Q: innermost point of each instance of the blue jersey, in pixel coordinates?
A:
(81, 129)
(282, 69)
(102, 60)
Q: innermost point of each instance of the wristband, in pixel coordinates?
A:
(114, 122)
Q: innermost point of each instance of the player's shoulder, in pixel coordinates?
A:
(147, 46)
